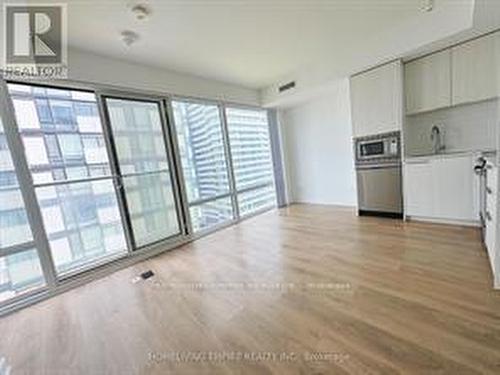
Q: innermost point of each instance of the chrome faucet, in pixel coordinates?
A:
(437, 144)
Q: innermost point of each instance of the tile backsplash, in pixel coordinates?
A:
(463, 128)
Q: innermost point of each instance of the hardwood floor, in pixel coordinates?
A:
(306, 289)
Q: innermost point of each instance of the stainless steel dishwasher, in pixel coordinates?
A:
(378, 172)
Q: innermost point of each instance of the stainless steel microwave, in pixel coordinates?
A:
(380, 146)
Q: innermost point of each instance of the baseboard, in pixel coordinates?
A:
(339, 205)
(465, 223)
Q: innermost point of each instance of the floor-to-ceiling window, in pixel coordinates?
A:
(87, 177)
(65, 149)
(204, 162)
(252, 160)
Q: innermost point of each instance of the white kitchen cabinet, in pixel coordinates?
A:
(418, 189)
(475, 70)
(441, 188)
(428, 83)
(376, 100)
(454, 188)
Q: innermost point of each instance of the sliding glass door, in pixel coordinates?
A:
(138, 136)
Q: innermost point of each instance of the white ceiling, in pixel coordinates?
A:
(246, 42)
(450, 22)
(259, 44)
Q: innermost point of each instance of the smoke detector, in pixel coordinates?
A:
(427, 5)
(141, 12)
(129, 37)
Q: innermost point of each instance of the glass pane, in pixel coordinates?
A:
(138, 135)
(27, 117)
(211, 213)
(82, 221)
(142, 156)
(61, 131)
(14, 226)
(19, 273)
(152, 207)
(250, 147)
(255, 200)
(199, 135)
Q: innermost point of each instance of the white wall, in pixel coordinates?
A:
(91, 68)
(317, 149)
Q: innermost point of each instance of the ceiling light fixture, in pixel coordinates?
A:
(129, 37)
(141, 12)
(427, 5)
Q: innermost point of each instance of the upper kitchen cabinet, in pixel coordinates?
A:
(428, 83)
(376, 100)
(475, 70)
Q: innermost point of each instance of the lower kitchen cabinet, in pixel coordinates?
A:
(418, 189)
(491, 215)
(441, 187)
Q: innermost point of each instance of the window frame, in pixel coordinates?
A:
(39, 240)
(227, 154)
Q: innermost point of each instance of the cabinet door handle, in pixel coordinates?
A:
(488, 190)
(488, 216)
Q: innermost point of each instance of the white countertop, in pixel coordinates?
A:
(447, 154)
